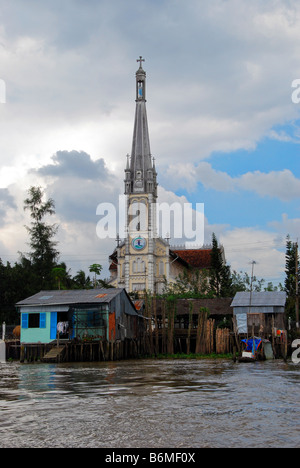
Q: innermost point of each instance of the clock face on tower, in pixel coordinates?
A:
(138, 243)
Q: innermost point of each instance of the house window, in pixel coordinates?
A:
(34, 320)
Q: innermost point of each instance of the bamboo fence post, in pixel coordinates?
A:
(197, 350)
(191, 307)
(171, 317)
(164, 329)
(207, 334)
(155, 324)
(210, 337)
(273, 335)
(149, 315)
(222, 341)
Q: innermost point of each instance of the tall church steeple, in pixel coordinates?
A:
(140, 262)
(143, 261)
(140, 173)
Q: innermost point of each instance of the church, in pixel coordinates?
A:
(143, 260)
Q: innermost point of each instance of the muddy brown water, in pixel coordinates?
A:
(150, 403)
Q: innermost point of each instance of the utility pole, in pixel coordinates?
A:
(297, 286)
(251, 284)
(250, 301)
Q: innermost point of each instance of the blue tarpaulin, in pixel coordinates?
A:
(249, 344)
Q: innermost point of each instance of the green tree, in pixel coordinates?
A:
(43, 253)
(220, 275)
(270, 287)
(16, 282)
(241, 281)
(290, 276)
(61, 276)
(95, 268)
(189, 283)
(81, 281)
(290, 267)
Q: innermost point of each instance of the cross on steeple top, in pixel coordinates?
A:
(141, 60)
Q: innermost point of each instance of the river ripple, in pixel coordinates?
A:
(150, 404)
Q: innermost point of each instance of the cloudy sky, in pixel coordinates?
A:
(223, 126)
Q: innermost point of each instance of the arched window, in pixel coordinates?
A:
(138, 266)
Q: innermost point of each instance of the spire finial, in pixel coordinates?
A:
(141, 60)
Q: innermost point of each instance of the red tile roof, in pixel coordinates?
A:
(197, 258)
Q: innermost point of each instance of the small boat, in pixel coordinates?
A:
(247, 357)
(253, 350)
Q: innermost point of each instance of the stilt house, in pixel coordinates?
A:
(104, 314)
(261, 310)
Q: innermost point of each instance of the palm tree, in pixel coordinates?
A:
(81, 280)
(95, 268)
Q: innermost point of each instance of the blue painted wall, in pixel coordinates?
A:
(42, 334)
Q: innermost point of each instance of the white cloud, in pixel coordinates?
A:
(287, 226)
(283, 136)
(243, 245)
(282, 185)
(213, 179)
(276, 184)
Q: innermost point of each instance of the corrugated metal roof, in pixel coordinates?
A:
(264, 298)
(76, 296)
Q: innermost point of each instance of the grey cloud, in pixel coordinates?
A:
(78, 184)
(76, 200)
(66, 24)
(6, 201)
(74, 164)
(6, 198)
(217, 68)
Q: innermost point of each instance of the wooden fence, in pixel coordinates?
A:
(170, 332)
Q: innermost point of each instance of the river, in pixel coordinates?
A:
(150, 404)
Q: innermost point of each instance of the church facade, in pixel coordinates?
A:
(143, 260)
